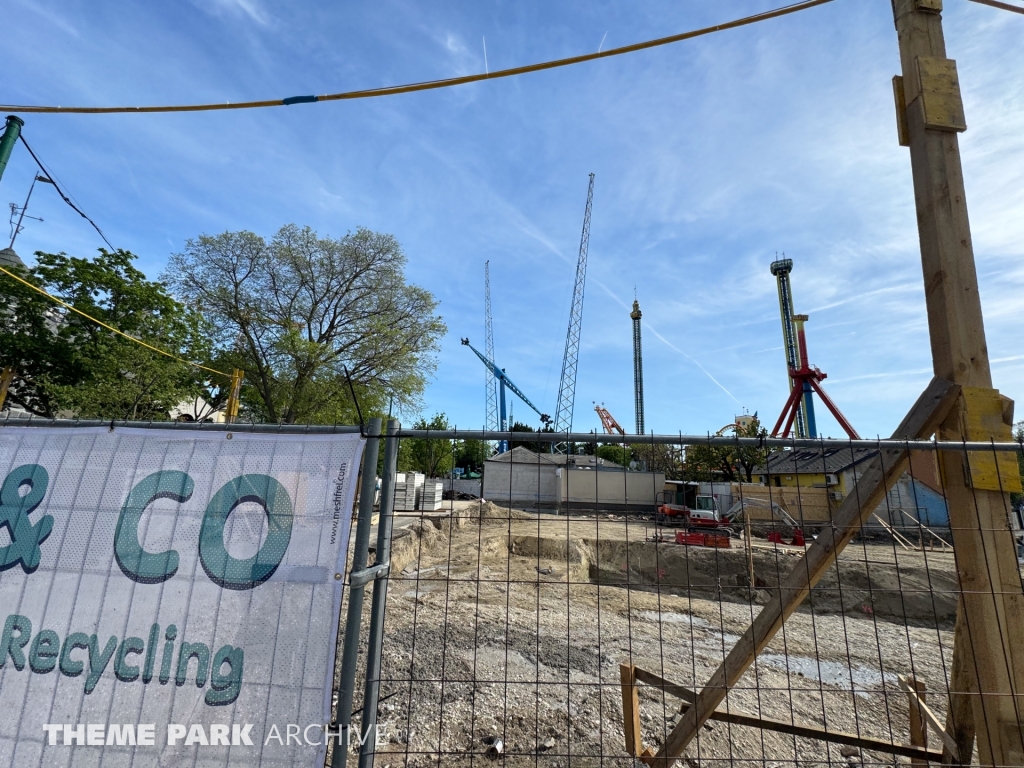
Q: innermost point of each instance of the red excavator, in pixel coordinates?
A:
(703, 524)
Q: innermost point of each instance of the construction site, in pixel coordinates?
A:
(754, 594)
(568, 609)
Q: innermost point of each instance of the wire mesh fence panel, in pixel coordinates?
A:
(573, 611)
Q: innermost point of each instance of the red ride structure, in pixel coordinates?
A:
(801, 378)
(611, 426)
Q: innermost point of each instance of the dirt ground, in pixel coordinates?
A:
(512, 626)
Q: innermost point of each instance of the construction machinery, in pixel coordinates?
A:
(703, 514)
(699, 517)
(804, 379)
(505, 382)
(611, 426)
(567, 383)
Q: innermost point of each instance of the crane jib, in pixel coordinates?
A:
(503, 378)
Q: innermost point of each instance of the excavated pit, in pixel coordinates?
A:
(512, 624)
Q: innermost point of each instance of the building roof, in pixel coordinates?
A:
(583, 461)
(8, 259)
(520, 455)
(813, 461)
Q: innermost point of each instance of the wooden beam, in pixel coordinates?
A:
(902, 540)
(986, 559)
(880, 475)
(790, 729)
(923, 715)
(960, 714)
(630, 710)
(1004, 6)
(6, 377)
(918, 726)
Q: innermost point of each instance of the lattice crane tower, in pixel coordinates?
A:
(567, 385)
(490, 383)
(638, 369)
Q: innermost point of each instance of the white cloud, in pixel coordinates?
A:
(52, 17)
(249, 8)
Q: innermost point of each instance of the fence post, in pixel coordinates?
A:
(918, 726)
(371, 693)
(360, 553)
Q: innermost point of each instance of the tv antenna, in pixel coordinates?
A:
(16, 227)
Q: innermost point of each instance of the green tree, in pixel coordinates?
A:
(746, 459)
(706, 463)
(433, 457)
(298, 311)
(726, 462)
(68, 365)
(617, 454)
(659, 458)
(470, 455)
(532, 445)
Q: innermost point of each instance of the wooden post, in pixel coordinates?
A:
(231, 407)
(960, 715)
(750, 550)
(784, 726)
(879, 476)
(929, 115)
(6, 377)
(630, 710)
(918, 725)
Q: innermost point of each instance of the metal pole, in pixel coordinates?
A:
(503, 444)
(380, 592)
(21, 217)
(360, 552)
(11, 133)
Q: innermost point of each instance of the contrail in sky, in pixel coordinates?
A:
(668, 343)
(527, 227)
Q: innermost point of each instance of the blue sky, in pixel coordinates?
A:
(710, 155)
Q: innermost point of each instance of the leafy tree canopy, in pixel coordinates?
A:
(532, 445)
(298, 311)
(618, 454)
(67, 365)
(728, 463)
(470, 455)
(433, 457)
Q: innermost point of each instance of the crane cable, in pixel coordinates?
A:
(109, 327)
(429, 84)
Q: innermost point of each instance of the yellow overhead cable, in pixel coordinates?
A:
(110, 327)
(432, 84)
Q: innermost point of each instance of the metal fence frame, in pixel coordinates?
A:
(362, 573)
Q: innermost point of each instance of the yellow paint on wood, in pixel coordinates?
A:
(982, 415)
(6, 378)
(940, 94)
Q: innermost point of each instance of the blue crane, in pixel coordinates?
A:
(504, 381)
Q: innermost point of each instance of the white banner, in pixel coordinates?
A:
(170, 598)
